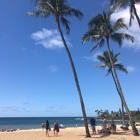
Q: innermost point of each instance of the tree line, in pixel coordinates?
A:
(117, 115)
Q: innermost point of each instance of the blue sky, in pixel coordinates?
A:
(35, 74)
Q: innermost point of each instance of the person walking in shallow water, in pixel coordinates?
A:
(47, 128)
(56, 128)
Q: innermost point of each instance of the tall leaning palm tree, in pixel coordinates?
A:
(133, 11)
(106, 63)
(59, 9)
(101, 29)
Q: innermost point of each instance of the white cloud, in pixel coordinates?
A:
(53, 68)
(49, 39)
(130, 69)
(134, 30)
(10, 108)
(93, 57)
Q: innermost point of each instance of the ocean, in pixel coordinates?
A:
(24, 123)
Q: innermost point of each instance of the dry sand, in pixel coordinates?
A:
(77, 133)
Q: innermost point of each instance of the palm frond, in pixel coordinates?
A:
(46, 5)
(108, 71)
(119, 24)
(61, 3)
(65, 11)
(117, 55)
(77, 13)
(101, 22)
(100, 43)
(53, 4)
(128, 37)
(95, 21)
(101, 58)
(113, 1)
(35, 13)
(109, 13)
(117, 4)
(66, 23)
(100, 66)
(119, 66)
(92, 35)
(131, 15)
(43, 7)
(118, 37)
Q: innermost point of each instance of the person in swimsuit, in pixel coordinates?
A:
(104, 124)
(47, 125)
(56, 128)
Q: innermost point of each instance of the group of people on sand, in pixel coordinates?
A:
(105, 127)
(46, 126)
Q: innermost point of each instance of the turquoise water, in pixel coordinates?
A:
(35, 122)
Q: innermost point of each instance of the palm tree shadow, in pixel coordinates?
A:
(124, 133)
(97, 135)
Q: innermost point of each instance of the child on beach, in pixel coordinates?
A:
(43, 125)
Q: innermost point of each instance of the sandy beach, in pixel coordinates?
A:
(73, 133)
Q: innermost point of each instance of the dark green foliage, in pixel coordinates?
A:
(117, 115)
(58, 8)
(101, 28)
(106, 62)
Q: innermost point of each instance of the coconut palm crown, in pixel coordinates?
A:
(58, 8)
(131, 3)
(106, 62)
(101, 28)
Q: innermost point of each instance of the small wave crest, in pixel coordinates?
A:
(79, 119)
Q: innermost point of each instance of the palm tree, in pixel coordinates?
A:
(59, 9)
(98, 112)
(133, 11)
(101, 29)
(106, 63)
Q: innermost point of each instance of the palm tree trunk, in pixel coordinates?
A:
(135, 12)
(135, 132)
(123, 122)
(76, 81)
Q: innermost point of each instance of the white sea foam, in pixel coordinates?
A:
(79, 119)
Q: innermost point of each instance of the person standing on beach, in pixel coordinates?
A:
(56, 128)
(104, 124)
(47, 125)
(93, 123)
(113, 126)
